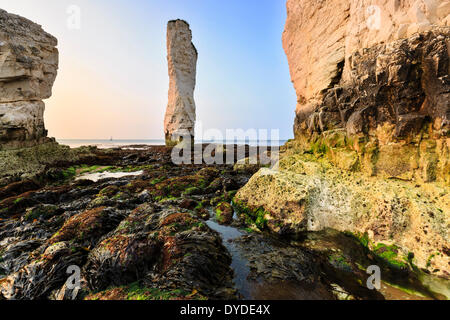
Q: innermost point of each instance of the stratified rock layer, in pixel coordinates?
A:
(363, 66)
(376, 74)
(404, 83)
(372, 130)
(28, 68)
(182, 58)
(320, 37)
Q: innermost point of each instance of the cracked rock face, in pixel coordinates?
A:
(372, 128)
(182, 59)
(28, 68)
(359, 64)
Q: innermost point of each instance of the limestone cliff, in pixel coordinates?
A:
(372, 128)
(28, 68)
(378, 72)
(182, 59)
(322, 38)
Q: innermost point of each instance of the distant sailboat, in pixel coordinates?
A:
(111, 139)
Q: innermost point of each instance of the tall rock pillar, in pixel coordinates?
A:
(182, 56)
(376, 73)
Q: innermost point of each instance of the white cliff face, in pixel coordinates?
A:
(372, 80)
(182, 59)
(321, 36)
(28, 68)
(25, 118)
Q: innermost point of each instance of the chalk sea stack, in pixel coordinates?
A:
(372, 136)
(182, 56)
(28, 68)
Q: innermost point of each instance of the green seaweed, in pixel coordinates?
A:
(69, 173)
(157, 180)
(44, 212)
(191, 191)
(340, 262)
(390, 255)
(251, 216)
(18, 200)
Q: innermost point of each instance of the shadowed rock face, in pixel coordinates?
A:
(375, 74)
(387, 60)
(182, 58)
(405, 83)
(28, 68)
(372, 135)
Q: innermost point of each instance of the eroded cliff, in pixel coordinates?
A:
(320, 37)
(371, 148)
(377, 72)
(28, 68)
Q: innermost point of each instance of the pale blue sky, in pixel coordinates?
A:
(113, 71)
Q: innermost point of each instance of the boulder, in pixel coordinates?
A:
(310, 195)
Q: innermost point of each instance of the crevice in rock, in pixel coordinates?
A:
(337, 78)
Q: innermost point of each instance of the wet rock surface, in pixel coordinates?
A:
(142, 231)
(157, 235)
(308, 193)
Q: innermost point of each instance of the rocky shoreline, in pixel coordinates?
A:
(309, 193)
(364, 184)
(153, 236)
(120, 229)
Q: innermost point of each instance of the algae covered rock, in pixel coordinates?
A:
(224, 213)
(87, 227)
(251, 165)
(129, 252)
(310, 194)
(28, 163)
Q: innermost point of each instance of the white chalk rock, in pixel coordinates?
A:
(182, 59)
